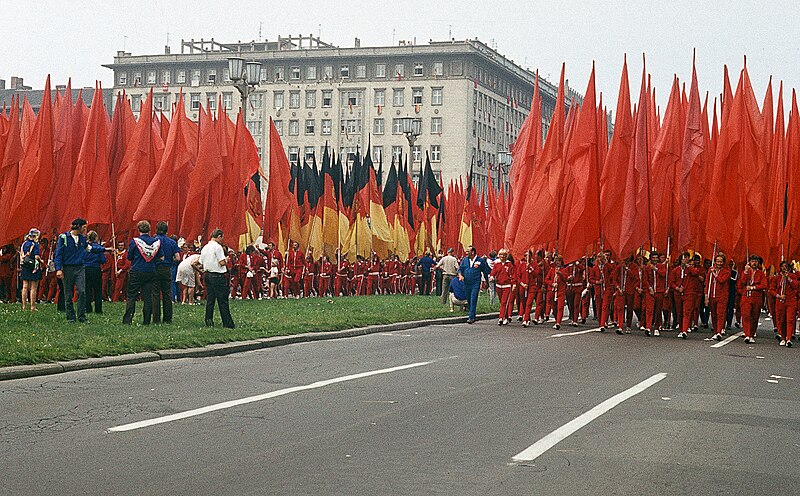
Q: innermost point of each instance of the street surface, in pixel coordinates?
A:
(440, 410)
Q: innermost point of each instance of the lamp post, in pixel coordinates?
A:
(503, 164)
(245, 76)
(412, 128)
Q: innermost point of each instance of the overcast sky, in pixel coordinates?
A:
(74, 39)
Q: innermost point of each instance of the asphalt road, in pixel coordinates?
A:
(471, 399)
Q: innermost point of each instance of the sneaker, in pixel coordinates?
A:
(717, 337)
(738, 325)
(556, 326)
(783, 342)
(627, 330)
(525, 323)
(682, 335)
(583, 321)
(573, 324)
(603, 329)
(789, 344)
(505, 321)
(499, 321)
(777, 336)
(647, 332)
(519, 318)
(656, 333)
(619, 331)
(723, 333)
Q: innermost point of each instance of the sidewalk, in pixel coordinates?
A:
(22, 371)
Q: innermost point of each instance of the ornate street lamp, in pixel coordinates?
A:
(245, 76)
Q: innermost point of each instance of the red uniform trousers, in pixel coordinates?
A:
(527, 296)
(340, 285)
(691, 310)
(361, 285)
(606, 306)
(308, 284)
(249, 288)
(373, 281)
(786, 317)
(506, 302)
(623, 306)
(666, 309)
(324, 284)
(652, 309)
(555, 303)
(751, 309)
(718, 308)
(677, 307)
(120, 288)
(540, 294)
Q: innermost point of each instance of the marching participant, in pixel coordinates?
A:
(692, 294)
(656, 287)
(784, 289)
(626, 280)
(717, 285)
(752, 283)
(556, 282)
(503, 274)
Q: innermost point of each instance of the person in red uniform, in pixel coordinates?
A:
(374, 275)
(247, 270)
(295, 263)
(608, 272)
(594, 278)
(360, 276)
(325, 275)
(626, 280)
(503, 274)
(666, 306)
(785, 289)
(340, 280)
(574, 292)
(48, 286)
(753, 283)
(524, 275)
(692, 293)
(8, 257)
(638, 296)
(123, 268)
(541, 289)
(556, 283)
(716, 289)
(309, 274)
(655, 285)
(677, 285)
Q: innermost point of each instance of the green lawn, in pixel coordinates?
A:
(46, 336)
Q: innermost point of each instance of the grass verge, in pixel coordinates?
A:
(45, 336)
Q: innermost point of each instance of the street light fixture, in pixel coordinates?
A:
(245, 76)
(503, 165)
(412, 128)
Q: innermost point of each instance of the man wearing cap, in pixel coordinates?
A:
(70, 260)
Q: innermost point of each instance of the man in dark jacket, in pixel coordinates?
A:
(470, 271)
(143, 252)
(70, 260)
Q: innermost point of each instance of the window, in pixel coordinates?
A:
(397, 126)
(311, 72)
(418, 69)
(136, 103)
(436, 153)
(151, 77)
(294, 99)
(256, 127)
(327, 98)
(227, 101)
(327, 72)
(122, 79)
(436, 96)
(278, 126)
(262, 75)
(309, 126)
(350, 99)
(165, 77)
(380, 98)
(416, 153)
(212, 76)
(416, 96)
(326, 127)
(294, 154)
(377, 155)
(294, 73)
(294, 127)
(137, 78)
(457, 68)
(196, 77)
(436, 125)
(438, 69)
(256, 100)
(311, 98)
(279, 73)
(397, 153)
(211, 98)
(181, 79)
(380, 70)
(351, 126)
(195, 101)
(398, 98)
(277, 100)
(377, 128)
(399, 71)
(344, 71)
(226, 75)
(361, 71)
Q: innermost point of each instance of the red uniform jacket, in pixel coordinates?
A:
(626, 278)
(560, 281)
(504, 274)
(788, 286)
(717, 285)
(757, 279)
(656, 278)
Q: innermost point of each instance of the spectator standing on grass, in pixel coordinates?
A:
(215, 262)
(424, 264)
(70, 263)
(162, 285)
(143, 252)
(31, 269)
(449, 266)
(471, 270)
(94, 273)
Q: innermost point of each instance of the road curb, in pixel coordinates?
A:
(220, 349)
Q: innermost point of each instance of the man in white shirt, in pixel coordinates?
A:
(449, 266)
(215, 262)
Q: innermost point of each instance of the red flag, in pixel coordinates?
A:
(279, 199)
(244, 164)
(778, 182)
(120, 133)
(792, 229)
(35, 173)
(9, 169)
(665, 170)
(694, 141)
(580, 224)
(205, 182)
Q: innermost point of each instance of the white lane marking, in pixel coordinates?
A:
(773, 376)
(558, 435)
(260, 397)
(585, 331)
(727, 340)
(772, 381)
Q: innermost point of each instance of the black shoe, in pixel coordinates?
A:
(789, 343)
(647, 332)
(71, 321)
(777, 336)
(619, 331)
(231, 326)
(209, 323)
(602, 329)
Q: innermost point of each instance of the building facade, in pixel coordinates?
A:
(470, 100)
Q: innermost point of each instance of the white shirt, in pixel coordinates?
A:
(210, 256)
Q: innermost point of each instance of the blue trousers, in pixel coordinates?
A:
(472, 291)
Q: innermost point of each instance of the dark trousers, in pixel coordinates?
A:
(139, 283)
(472, 291)
(94, 289)
(75, 279)
(162, 294)
(439, 289)
(425, 284)
(217, 291)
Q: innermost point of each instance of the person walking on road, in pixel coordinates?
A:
(472, 269)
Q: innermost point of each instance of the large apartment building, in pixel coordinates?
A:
(469, 101)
